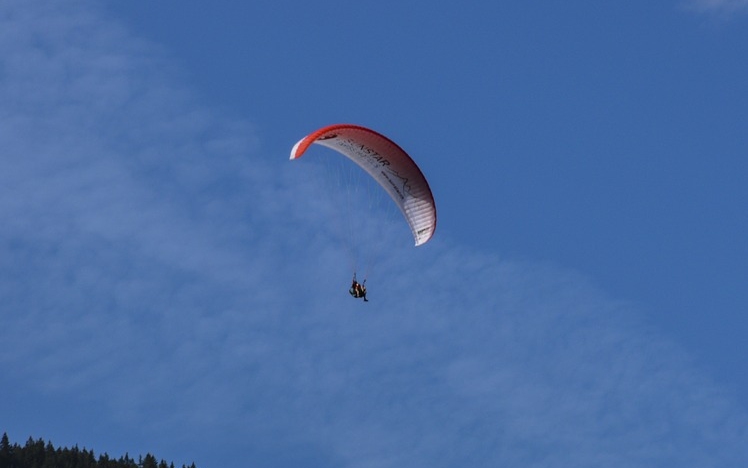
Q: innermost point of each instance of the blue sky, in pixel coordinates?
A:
(169, 282)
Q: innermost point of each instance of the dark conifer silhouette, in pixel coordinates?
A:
(41, 454)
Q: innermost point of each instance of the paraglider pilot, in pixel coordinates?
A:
(358, 290)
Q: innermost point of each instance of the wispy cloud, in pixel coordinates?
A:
(719, 7)
(157, 264)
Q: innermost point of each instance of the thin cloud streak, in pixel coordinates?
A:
(156, 254)
(721, 7)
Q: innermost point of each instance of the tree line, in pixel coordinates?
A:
(41, 454)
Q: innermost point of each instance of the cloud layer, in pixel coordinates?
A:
(719, 6)
(157, 265)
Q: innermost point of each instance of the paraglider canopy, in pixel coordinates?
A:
(388, 164)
